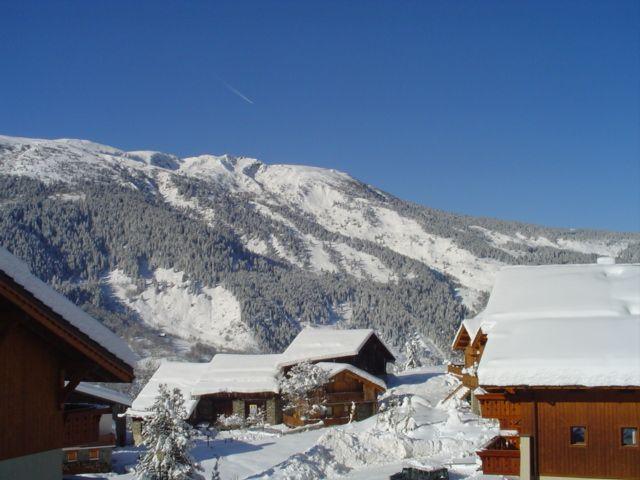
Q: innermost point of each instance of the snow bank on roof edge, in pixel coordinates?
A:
(104, 393)
(16, 269)
(180, 375)
(336, 368)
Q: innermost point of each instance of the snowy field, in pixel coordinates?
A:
(418, 430)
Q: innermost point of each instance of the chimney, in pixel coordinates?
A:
(606, 261)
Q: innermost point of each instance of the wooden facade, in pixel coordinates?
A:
(344, 390)
(547, 415)
(39, 352)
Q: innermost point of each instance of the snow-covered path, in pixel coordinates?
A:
(417, 430)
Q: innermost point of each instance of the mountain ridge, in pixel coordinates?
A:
(353, 254)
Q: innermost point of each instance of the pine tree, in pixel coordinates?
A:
(167, 437)
(413, 353)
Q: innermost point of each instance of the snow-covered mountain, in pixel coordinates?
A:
(211, 248)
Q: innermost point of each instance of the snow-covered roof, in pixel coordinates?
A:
(17, 270)
(471, 326)
(582, 351)
(181, 375)
(564, 291)
(314, 344)
(104, 393)
(335, 368)
(240, 374)
(572, 325)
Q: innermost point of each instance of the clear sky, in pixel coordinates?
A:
(517, 110)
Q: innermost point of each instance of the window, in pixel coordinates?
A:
(578, 435)
(629, 436)
(253, 409)
(94, 454)
(72, 456)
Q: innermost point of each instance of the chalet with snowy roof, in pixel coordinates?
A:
(361, 348)
(349, 388)
(244, 385)
(92, 427)
(47, 347)
(559, 367)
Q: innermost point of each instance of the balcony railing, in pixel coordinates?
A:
(344, 397)
(501, 456)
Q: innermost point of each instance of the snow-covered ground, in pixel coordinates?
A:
(420, 430)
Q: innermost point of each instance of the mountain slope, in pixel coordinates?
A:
(178, 254)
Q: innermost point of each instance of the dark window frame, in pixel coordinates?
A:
(630, 445)
(585, 436)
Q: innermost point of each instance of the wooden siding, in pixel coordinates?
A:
(82, 427)
(602, 456)
(508, 413)
(30, 416)
(100, 364)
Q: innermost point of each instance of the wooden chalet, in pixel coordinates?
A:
(241, 385)
(361, 348)
(245, 385)
(47, 347)
(92, 427)
(560, 371)
(348, 387)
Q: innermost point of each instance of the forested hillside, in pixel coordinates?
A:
(188, 256)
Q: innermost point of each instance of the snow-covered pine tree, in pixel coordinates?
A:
(168, 438)
(413, 349)
(301, 388)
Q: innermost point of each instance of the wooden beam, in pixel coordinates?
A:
(62, 329)
(75, 377)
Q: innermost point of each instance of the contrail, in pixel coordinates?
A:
(236, 91)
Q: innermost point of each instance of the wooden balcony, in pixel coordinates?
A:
(344, 397)
(501, 456)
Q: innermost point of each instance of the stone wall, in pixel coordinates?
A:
(274, 411)
(238, 407)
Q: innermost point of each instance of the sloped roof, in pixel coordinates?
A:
(240, 374)
(19, 272)
(314, 344)
(565, 351)
(100, 392)
(181, 375)
(471, 326)
(571, 325)
(334, 368)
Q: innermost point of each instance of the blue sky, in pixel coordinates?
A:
(517, 110)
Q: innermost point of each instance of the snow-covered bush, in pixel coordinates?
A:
(168, 438)
(257, 419)
(301, 389)
(229, 422)
(397, 415)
